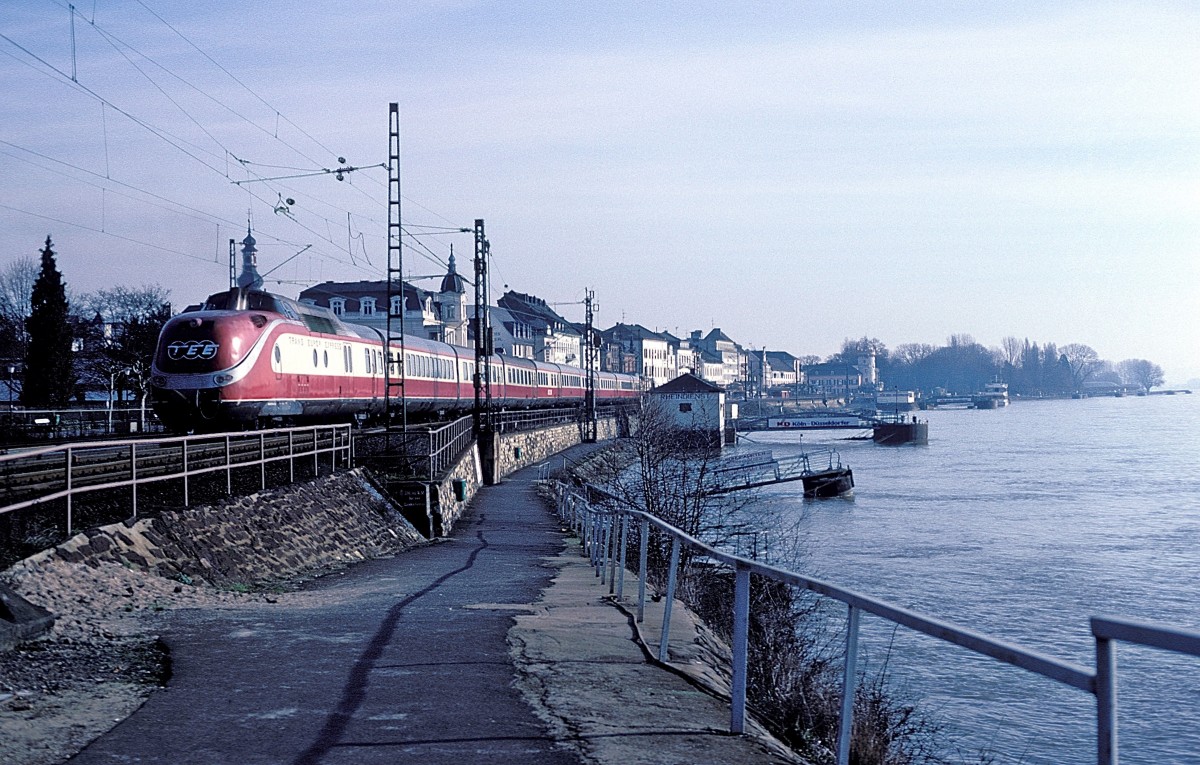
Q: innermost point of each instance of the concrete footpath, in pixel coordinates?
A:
(410, 659)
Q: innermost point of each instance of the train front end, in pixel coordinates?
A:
(204, 367)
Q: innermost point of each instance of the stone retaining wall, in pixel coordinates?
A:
(449, 508)
(522, 449)
(256, 540)
(513, 451)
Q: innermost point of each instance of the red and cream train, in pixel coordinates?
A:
(248, 356)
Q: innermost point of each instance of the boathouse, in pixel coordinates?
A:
(693, 406)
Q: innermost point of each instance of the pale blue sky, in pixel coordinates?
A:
(795, 173)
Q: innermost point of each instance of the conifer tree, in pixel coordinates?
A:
(49, 375)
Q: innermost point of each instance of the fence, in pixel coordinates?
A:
(69, 470)
(426, 454)
(605, 534)
(533, 419)
(30, 425)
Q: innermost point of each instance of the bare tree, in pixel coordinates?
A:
(960, 340)
(120, 337)
(1141, 372)
(16, 292)
(1083, 361)
(121, 304)
(1011, 349)
(911, 353)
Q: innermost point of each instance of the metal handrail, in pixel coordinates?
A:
(597, 527)
(448, 442)
(339, 448)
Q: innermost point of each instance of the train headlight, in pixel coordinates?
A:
(158, 381)
(222, 379)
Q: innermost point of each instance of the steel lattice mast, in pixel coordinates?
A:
(396, 403)
(590, 349)
(483, 334)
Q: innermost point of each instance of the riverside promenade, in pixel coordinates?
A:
(460, 651)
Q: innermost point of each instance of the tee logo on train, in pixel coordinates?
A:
(192, 349)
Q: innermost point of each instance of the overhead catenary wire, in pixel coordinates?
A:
(179, 208)
(233, 77)
(105, 233)
(211, 160)
(168, 137)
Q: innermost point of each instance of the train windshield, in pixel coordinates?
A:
(255, 301)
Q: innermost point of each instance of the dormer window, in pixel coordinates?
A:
(397, 305)
(337, 305)
(367, 306)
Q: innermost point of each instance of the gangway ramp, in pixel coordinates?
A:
(757, 469)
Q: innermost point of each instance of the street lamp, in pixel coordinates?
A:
(12, 368)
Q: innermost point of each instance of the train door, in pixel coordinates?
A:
(304, 376)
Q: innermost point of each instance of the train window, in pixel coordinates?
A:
(314, 357)
(347, 359)
(326, 355)
(367, 359)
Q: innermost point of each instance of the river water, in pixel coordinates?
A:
(1021, 523)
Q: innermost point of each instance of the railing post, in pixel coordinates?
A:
(741, 633)
(602, 558)
(262, 459)
(228, 468)
(291, 459)
(1106, 701)
(846, 721)
(612, 550)
(186, 496)
(597, 539)
(316, 465)
(133, 474)
(642, 556)
(70, 504)
(621, 571)
(670, 598)
(585, 522)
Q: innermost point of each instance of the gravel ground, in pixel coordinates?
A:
(98, 664)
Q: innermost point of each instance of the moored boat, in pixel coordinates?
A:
(833, 482)
(993, 396)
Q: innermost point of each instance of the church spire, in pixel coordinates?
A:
(249, 278)
(452, 282)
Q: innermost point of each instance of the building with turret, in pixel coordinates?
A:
(440, 315)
